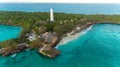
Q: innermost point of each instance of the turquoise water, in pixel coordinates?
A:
(79, 8)
(99, 47)
(8, 32)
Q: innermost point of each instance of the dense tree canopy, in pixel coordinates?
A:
(39, 23)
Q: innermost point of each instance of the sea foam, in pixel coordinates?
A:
(72, 37)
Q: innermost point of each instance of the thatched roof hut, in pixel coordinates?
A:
(48, 37)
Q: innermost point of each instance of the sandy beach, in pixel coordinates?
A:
(75, 36)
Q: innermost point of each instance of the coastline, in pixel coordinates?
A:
(49, 40)
(69, 38)
(81, 32)
(75, 35)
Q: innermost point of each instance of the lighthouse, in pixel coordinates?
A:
(51, 15)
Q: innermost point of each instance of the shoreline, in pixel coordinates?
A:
(75, 35)
(81, 32)
(69, 38)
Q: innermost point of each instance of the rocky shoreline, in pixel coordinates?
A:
(49, 42)
(9, 51)
(50, 50)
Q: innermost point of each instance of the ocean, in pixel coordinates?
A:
(8, 32)
(84, 8)
(97, 47)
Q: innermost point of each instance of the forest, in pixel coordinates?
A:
(38, 22)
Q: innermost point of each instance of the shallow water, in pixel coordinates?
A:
(99, 47)
(8, 32)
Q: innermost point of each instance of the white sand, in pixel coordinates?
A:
(75, 36)
(68, 38)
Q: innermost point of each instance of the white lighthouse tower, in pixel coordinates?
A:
(51, 15)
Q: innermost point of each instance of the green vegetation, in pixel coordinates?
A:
(9, 43)
(38, 22)
(36, 44)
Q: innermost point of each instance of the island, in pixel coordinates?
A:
(43, 33)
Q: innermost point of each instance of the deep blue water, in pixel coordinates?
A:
(63, 7)
(9, 32)
(99, 47)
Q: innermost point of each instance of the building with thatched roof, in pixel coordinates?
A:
(50, 38)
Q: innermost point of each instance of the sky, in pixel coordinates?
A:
(59, 1)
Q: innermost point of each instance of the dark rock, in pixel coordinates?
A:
(10, 50)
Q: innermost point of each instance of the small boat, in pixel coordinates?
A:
(13, 55)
